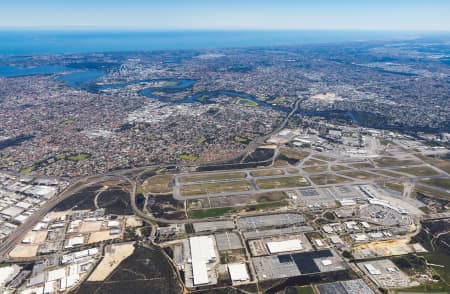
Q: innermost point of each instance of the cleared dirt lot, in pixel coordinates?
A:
(36, 237)
(114, 254)
(133, 221)
(101, 236)
(24, 251)
(90, 226)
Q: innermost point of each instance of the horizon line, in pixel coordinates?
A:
(132, 29)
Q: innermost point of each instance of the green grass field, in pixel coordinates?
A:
(299, 290)
(245, 102)
(78, 157)
(242, 140)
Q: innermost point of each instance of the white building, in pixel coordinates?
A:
(238, 272)
(285, 246)
(203, 253)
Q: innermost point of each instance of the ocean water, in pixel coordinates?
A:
(43, 42)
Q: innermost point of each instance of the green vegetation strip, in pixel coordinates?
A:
(440, 287)
(220, 211)
(53, 159)
(245, 102)
(188, 157)
(242, 140)
(443, 183)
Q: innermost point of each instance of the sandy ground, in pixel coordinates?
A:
(90, 226)
(387, 248)
(37, 237)
(114, 255)
(133, 221)
(101, 236)
(24, 251)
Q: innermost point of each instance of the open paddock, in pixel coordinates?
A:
(360, 175)
(267, 172)
(203, 177)
(282, 182)
(393, 161)
(24, 251)
(158, 184)
(328, 179)
(420, 171)
(214, 188)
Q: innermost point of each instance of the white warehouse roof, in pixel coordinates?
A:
(284, 246)
(238, 272)
(56, 274)
(202, 253)
(371, 269)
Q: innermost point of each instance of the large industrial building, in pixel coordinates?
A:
(203, 254)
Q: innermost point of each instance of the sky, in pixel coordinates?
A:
(402, 15)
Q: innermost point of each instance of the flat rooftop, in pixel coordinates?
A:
(270, 220)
